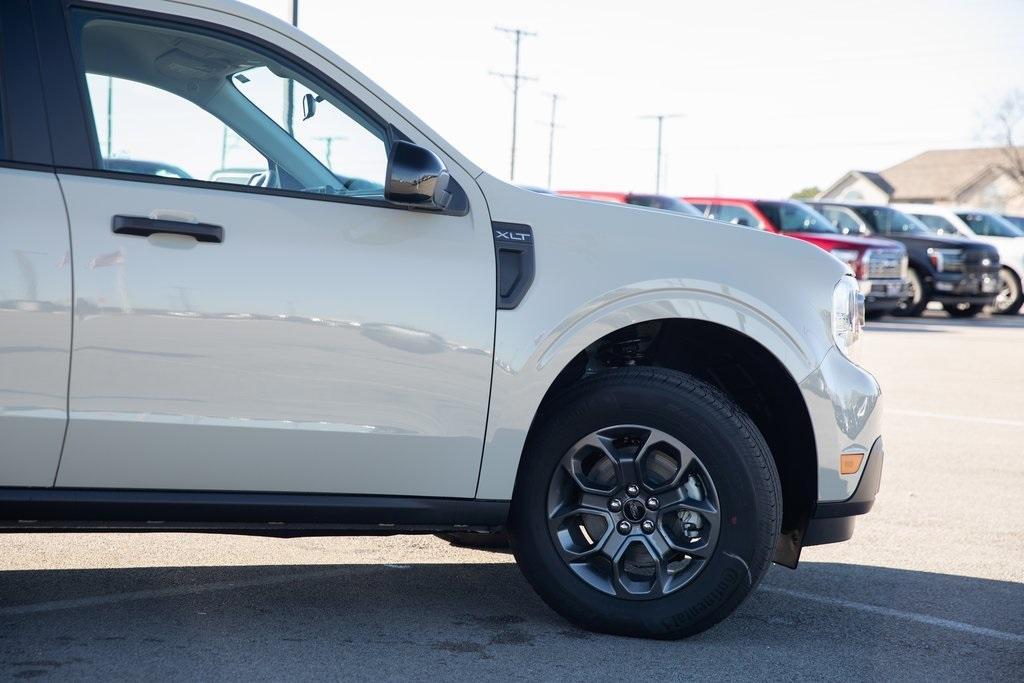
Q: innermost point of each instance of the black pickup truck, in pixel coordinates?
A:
(961, 274)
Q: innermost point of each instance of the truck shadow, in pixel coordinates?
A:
(406, 621)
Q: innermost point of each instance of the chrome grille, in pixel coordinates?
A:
(885, 264)
(947, 260)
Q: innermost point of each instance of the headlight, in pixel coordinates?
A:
(850, 257)
(847, 315)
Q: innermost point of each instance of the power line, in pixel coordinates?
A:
(660, 118)
(518, 35)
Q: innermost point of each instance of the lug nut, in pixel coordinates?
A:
(624, 527)
(647, 526)
(652, 503)
(614, 504)
(633, 490)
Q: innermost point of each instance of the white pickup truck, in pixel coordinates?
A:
(375, 336)
(984, 226)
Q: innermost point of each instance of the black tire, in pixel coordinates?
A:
(731, 450)
(1011, 294)
(915, 304)
(470, 539)
(963, 310)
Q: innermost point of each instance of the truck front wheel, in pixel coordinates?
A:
(1011, 294)
(647, 504)
(917, 301)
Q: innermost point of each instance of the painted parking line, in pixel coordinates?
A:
(170, 591)
(956, 418)
(948, 624)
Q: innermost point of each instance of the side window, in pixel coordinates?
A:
(177, 102)
(127, 113)
(938, 224)
(340, 139)
(989, 225)
(737, 215)
(841, 219)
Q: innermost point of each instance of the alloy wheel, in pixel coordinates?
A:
(915, 293)
(1008, 293)
(633, 512)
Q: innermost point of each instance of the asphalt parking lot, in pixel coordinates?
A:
(931, 587)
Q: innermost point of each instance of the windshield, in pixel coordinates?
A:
(990, 225)
(888, 221)
(658, 201)
(796, 217)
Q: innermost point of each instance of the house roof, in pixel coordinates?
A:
(940, 174)
(878, 180)
(849, 176)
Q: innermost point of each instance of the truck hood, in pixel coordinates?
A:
(827, 240)
(940, 241)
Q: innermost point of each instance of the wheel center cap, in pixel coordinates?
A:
(634, 510)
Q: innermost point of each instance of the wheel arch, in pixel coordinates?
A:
(738, 364)
(923, 269)
(1014, 268)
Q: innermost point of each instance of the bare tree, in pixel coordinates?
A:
(1008, 119)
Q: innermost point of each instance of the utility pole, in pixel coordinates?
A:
(110, 116)
(518, 35)
(660, 118)
(552, 125)
(289, 106)
(328, 141)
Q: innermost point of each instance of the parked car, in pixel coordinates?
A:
(880, 265)
(653, 405)
(651, 201)
(960, 274)
(144, 167)
(987, 227)
(236, 176)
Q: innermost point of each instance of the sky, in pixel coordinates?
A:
(774, 96)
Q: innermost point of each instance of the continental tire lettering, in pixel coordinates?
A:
(726, 585)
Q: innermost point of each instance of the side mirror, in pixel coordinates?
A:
(740, 220)
(308, 106)
(416, 177)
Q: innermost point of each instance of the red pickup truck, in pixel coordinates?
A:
(651, 201)
(879, 264)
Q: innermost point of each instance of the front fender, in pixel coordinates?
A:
(526, 367)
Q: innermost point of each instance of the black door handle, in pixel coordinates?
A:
(144, 227)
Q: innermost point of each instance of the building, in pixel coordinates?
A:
(976, 177)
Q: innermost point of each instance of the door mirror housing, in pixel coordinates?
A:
(416, 177)
(308, 106)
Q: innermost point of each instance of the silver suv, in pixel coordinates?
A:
(372, 335)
